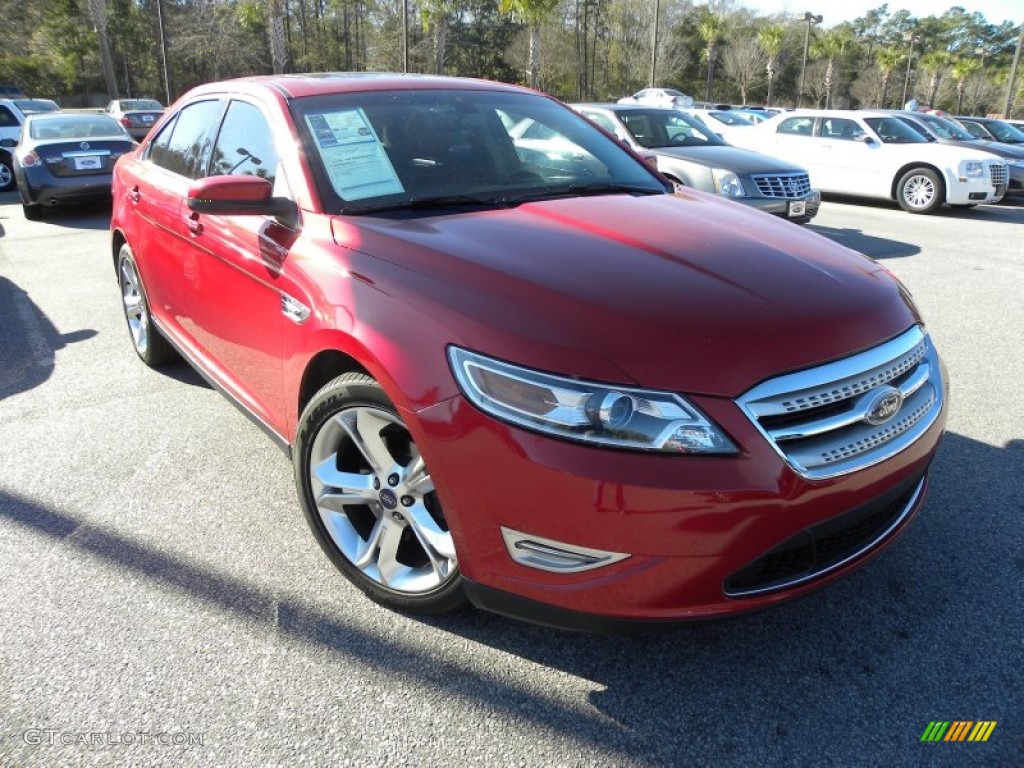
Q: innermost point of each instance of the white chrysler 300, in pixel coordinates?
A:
(874, 154)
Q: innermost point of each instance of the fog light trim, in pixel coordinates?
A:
(555, 556)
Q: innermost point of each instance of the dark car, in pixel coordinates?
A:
(66, 158)
(991, 129)
(692, 154)
(944, 131)
(138, 116)
(562, 391)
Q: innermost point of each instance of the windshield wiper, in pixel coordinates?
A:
(435, 201)
(583, 190)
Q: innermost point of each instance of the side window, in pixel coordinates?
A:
(840, 128)
(7, 118)
(190, 140)
(245, 146)
(975, 130)
(796, 126)
(157, 152)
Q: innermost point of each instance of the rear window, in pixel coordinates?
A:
(75, 127)
(128, 105)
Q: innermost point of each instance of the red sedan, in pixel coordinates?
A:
(545, 383)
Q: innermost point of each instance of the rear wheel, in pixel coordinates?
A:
(370, 501)
(7, 180)
(920, 190)
(151, 347)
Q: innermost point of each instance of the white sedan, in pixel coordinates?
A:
(659, 97)
(875, 154)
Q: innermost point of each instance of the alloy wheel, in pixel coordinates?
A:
(377, 502)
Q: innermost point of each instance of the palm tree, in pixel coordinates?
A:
(434, 14)
(963, 69)
(934, 64)
(831, 47)
(532, 13)
(770, 39)
(887, 59)
(711, 29)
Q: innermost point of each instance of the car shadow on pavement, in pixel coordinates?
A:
(88, 216)
(930, 629)
(875, 247)
(28, 341)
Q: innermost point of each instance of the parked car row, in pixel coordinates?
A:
(510, 363)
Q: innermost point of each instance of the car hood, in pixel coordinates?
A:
(683, 292)
(735, 159)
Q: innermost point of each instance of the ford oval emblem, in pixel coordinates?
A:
(884, 405)
(84, 145)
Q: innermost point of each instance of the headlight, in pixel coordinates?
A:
(727, 183)
(587, 412)
(972, 169)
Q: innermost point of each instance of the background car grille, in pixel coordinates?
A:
(826, 546)
(816, 419)
(788, 185)
(999, 174)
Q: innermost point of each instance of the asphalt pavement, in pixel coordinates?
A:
(164, 604)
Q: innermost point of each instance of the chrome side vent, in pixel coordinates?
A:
(555, 556)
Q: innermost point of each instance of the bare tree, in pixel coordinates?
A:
(744, 61)
(98, 14)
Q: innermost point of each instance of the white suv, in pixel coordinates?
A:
(875, 154)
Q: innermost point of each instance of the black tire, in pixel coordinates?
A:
(32, 212)
(7, 180)
(920, 190)
(150, 345)
(396, 509)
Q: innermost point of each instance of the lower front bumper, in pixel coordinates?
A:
(896, 509)
(784, 208)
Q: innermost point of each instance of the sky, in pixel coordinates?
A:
(995, 11)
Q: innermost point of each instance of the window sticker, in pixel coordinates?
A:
(356, 162)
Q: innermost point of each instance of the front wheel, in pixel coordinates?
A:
(370, 501)
(920, 190)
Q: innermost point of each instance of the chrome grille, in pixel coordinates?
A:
(999, 174)
(786, 185)
(818, 419)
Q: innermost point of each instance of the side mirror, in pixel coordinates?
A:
(241, 196)
(863, 138)
(8, 143)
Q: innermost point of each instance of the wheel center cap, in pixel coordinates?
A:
(388, 499)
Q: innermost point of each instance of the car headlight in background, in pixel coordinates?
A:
(584, 411)
(972, 169)
(727, 183)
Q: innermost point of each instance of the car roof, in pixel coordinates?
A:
(325, 83)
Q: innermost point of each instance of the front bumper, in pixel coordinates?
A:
(784, 207)
(688, 524)
(974, 191)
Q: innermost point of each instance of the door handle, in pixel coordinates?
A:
(194, 225)
(133, 194)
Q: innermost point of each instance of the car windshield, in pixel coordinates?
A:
(730, 118)
(657, 128)
(34, 106)
(127, 105)
(947, 130)
(1004, 132)
(892, 130)
(75, 127)
(456, 148)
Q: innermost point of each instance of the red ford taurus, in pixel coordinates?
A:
(543, 382)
